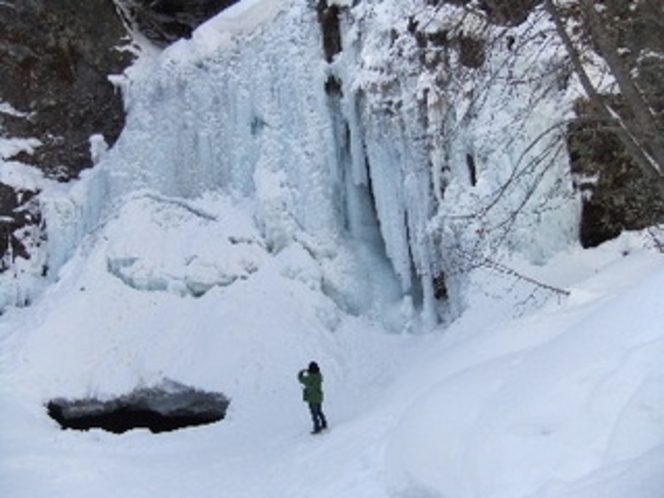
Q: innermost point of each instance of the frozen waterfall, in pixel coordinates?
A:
(366, 144)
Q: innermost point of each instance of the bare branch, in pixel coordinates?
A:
(634, 137)
(488, 262)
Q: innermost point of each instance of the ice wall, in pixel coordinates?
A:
(462, 129)
(244, 107)
(394, 163)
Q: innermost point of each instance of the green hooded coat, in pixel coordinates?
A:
(313, 386)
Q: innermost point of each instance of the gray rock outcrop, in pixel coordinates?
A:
(165, 21)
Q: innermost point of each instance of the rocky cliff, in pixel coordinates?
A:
(56, 59)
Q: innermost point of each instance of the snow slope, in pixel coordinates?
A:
(559, 401)
(566, 402)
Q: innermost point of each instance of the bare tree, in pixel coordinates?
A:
(638, 128)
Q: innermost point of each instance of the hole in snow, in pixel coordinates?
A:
(166, 407)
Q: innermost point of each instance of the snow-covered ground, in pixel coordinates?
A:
(223, 243)
(560, 400)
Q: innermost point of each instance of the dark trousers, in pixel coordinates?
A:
(317, 416)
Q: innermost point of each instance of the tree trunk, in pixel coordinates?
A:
(640, 137)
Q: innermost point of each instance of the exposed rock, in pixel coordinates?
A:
(501, 12)
(20, 224)
(508, 12)
(56, 59)
(166, 407)
(616, 196)
(471, 52)
(328, 17)
(165, 21)
(619, 197)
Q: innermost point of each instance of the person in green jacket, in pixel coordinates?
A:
(312, 381)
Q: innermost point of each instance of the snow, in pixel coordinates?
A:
(10, 147)
(580, 400)
(14, 146)
(247, 223)
(557, 401)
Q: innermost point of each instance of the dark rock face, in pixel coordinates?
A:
(19, 218)
(166, 407)
(508, 12)
(501, 12)
(620, 198)
(328, 18)
(165, 21)
(616, 196)
(56, 58)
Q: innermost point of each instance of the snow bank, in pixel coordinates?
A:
(570, 395)
(562, 401)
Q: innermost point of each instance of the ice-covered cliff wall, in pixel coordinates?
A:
(242, 108)
(368, 134)
(458, 126)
